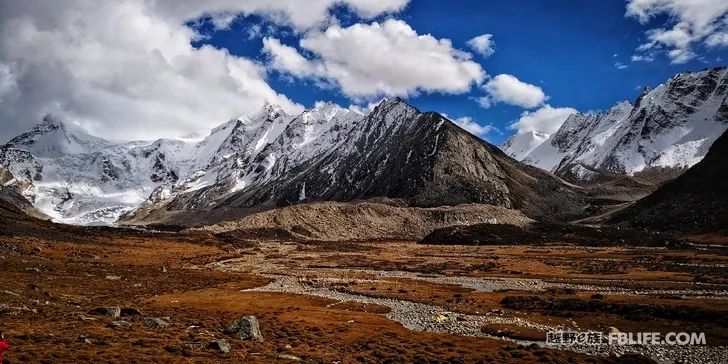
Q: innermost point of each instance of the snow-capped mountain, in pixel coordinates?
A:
(271, 159)
(695, 201)
(74, 177)
(520, 145)
(77, 178)
(397, 152)
(672, 125)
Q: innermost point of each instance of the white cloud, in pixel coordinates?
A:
(8, 83)
(405, 63)
(546, 119)
(642, 58)
(126, 69)
(690, 22)
(474, 127)
(299, 14)
(483, 44)
(365, 109)
(143, 82)
(620, 65)
(717, 40)
(680, 56)
(510, 90)
(287, 58)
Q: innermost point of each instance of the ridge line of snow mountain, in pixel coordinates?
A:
(78, 178)
(330, 153)
(274, 159)
(672, 125)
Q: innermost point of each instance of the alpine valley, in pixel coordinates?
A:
(389, 236)
(395, 155)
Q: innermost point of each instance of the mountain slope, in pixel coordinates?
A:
(361, 221)
(697, 200)
(395, 152)
(671, 126)
(520, 145)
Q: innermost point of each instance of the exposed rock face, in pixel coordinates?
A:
(694, 202)
(671, 126)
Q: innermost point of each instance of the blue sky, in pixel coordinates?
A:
(187, 65)
(570, 49)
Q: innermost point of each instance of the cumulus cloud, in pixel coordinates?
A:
(546, 119)
(406, 63)
(717, 40)
(483, 44)
(510, 90)
(300, 15)
(474, 127)
(287, 58)
(690, 22)
(126, 69)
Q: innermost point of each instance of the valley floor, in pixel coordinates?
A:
(351, 301)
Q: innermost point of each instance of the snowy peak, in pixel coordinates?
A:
(53, 138)
(672, 126)
(271, 111)
(520, 145)
(421, 159)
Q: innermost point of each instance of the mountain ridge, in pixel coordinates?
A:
(395, 152)
(672, 126)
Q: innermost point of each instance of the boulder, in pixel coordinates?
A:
(289, 357)
(154, 323)
(246, 327)
(114, 312)
(220, 345)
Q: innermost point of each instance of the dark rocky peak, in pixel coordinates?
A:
(695, 87)
(49, 124)
(645, 91)
(394, 104)
(51, 120)
(270, 112)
